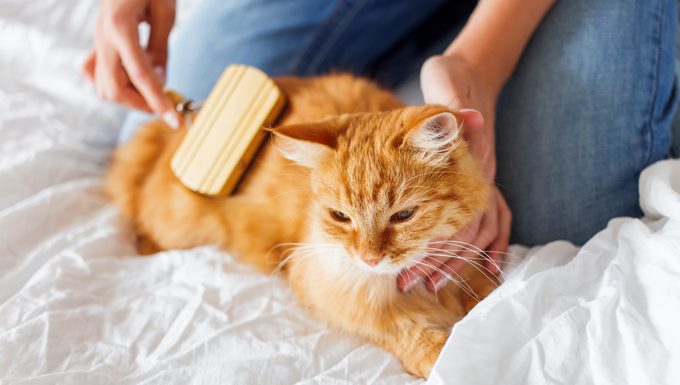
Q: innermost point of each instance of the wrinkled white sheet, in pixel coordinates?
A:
(606, 314)
(77, 307)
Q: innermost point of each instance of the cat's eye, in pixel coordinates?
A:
(340, 216)
(402, 216)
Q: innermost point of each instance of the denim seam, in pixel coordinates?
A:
(336, 24)
(655, 82)
(305, 57)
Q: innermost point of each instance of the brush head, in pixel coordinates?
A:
(227, 132)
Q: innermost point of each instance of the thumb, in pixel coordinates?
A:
(89, 65)
(473, 120)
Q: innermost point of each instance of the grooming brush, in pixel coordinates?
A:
(226, 134)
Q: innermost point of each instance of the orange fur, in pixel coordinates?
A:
(359, 152)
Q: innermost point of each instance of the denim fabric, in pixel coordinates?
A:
(588, 107)
(302, 37)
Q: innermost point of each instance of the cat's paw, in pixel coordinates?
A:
(421, 361)
(146, 245)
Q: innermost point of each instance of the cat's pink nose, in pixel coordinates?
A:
(372, 260)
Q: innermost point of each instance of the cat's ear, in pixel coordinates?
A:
(306, 144)
(435, 136)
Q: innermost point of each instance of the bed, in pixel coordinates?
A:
(78, 306)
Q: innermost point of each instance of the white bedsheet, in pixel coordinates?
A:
(77, 307)
(606, 314)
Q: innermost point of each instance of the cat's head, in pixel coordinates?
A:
(386, 183)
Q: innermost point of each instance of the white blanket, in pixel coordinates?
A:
(78, 307)
(606, 314)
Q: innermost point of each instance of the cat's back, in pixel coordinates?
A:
(313, 99)
(310, 100)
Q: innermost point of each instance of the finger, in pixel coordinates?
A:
(435, 71)
(475, 249)
(161, 19)
(473, 120)
(108, 81)
(437, 250)
(449, 271)
(89, 65)
(142, 76)
(412, 276)
(112, 83)
(470, 252)
(440, 254)
(500, 245)
(131, 98)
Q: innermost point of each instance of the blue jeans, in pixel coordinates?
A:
(589, 106)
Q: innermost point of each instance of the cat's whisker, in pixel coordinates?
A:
(452, 254)
(467, 246)
(478, 259)
(470, 291)
(296, 250)
(287, 255)
(305, 244)
(297, 254)
(277, 270)
(466, 288)
(425, 276)
(476, 250)
(478, 255)
(461, 283)
(294, 245)
(439, 270)
(455, 242)
(472, 260)
(439, 252)
(476, 265)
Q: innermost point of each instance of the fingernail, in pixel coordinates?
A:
(438, 284)
(171, 120)
(468, 110)
(160, 71)
(408, 282)
(410, 285)
(493, 269)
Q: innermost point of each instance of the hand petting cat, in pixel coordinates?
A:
(452, 82)
(470, 74)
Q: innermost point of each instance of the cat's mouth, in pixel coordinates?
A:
(383, 267)
(388, 267)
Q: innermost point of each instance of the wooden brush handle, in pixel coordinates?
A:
(228, 131)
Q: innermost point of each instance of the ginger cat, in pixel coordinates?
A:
(350, 191)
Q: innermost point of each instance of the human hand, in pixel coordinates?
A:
(450, 81)
(120, 68)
